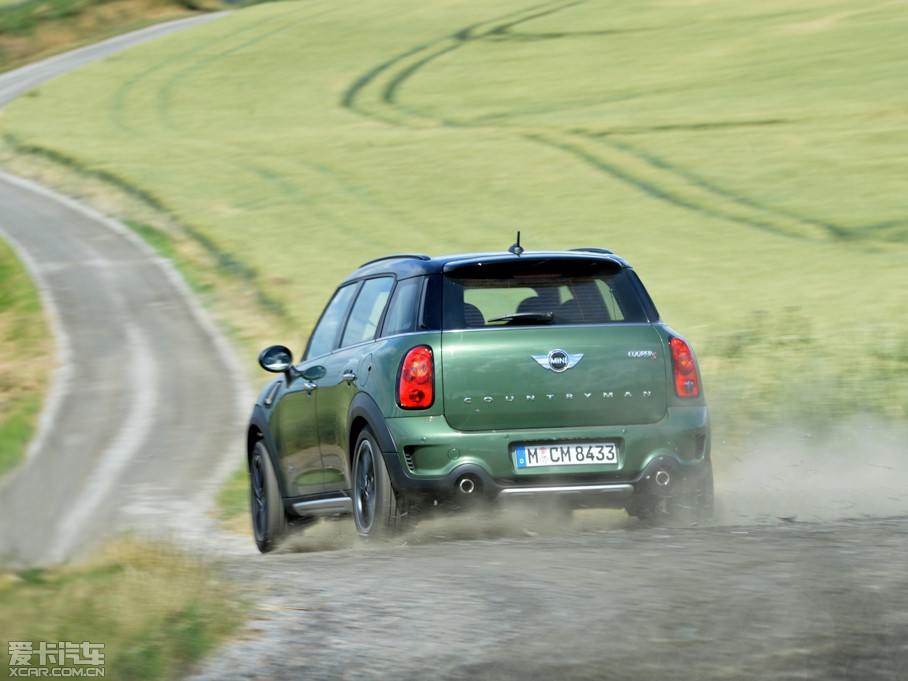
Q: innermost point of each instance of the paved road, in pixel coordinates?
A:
(145, 411)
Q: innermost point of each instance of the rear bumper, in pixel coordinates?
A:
(434, 460)
(469, 482)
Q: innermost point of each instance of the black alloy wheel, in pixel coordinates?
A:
(378, 511)
(269, 523)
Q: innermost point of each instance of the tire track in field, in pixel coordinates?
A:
(684, 190)
(119, 101)
(383, 82)
(277, 183)
(165, 93)
(281, 183)
(362, 234)
(377, 94)
(699, 183)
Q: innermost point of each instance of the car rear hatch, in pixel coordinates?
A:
(548, 343)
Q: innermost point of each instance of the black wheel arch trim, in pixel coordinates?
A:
(259, 422)
(364, 408)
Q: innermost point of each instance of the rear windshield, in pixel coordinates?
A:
(540, 293)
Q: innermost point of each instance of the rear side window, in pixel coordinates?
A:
(540, 293)
(401, 317)
(327, 330)
(367, 311)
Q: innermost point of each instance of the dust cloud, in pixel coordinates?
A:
(856, 469)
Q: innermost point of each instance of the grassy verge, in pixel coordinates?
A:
(26, 359)
(233, 503)
(155, 609)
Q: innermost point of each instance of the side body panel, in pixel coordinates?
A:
(296, 439)
(335, 394)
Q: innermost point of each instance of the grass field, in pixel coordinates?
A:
(26, 359)
(749, 159)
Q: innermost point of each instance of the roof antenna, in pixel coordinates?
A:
(516, 249)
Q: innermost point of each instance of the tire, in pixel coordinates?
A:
(688, 504)
(269, 522)
(379, 512)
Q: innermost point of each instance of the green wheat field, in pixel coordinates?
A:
(750, 160)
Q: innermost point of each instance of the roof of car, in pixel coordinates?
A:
(413, 264)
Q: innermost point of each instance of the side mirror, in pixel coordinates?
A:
(277, 359)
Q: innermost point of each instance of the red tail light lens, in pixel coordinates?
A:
(416, 385)
(687, 382)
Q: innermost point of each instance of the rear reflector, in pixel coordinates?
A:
(687, 382)
(416, 383)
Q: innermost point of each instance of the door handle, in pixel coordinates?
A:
(309, 387)
(349, 376)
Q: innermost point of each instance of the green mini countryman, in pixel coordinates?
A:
(438, 382)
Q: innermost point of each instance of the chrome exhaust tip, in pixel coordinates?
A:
(466, 485)
(663, 478)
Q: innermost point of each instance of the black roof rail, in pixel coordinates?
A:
(398, 256)
(593, 249)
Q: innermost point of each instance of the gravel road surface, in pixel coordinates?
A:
(802, 576)
(821, 601)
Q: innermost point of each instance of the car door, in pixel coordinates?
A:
(346, 373)
(297, 433)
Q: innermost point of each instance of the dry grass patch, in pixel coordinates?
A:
(156, 608)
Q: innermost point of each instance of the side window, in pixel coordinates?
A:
(328, 327)
(367, 311)
(401, 317)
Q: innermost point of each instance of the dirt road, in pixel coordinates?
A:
(144, 415)
(782, 586)
(785, 601)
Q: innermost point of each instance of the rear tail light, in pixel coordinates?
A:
(687, 382)
(416, 383)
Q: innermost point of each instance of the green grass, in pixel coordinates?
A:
(26, 359)
(153, 607)
(17, 426)
(232, 503)
(749, 159)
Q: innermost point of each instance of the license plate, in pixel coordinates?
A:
(530, 456)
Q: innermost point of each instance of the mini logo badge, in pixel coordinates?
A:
(558, 360)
